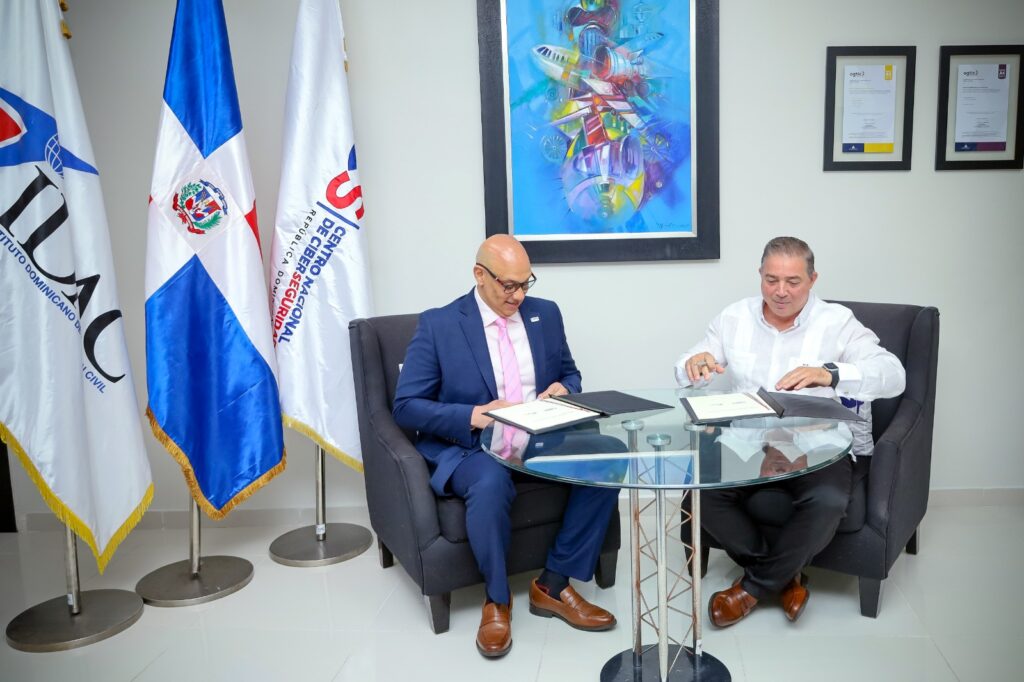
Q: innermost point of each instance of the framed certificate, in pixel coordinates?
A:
(869, 108)
(980, 108)
(600, 128)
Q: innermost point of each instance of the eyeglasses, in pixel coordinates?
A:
(511, 287)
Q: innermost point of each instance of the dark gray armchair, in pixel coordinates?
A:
(891, 496)
(426, 533)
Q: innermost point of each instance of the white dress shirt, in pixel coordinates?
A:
(756, 354)
(520, 344)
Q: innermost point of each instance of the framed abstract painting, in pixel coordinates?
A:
(600, 127)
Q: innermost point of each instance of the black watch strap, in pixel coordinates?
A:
(833, 369)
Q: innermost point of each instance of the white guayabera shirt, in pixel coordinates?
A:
(756, 354)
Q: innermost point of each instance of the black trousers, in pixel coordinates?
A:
(820, 499)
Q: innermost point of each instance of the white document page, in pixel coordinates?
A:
(982, 103)
(869, 105)
(542, 415)
(729, 406)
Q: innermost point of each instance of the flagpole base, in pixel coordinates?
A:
(301, 548)
(49, 626)
(175, 585)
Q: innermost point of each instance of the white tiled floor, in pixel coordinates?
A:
(950, 613)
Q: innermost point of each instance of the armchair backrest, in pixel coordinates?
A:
(378, 348)
(911, 333)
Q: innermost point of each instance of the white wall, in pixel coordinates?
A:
(950, 239)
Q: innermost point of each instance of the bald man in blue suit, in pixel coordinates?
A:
(454, 373)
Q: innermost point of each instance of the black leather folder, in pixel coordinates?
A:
(611, 402)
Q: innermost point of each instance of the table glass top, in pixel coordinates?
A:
(664, 449)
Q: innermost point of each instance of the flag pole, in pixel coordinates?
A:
(75, 619)
(195, 580)
(323, 543)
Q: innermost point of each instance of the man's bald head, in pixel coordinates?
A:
(501, 257)
(502, 251)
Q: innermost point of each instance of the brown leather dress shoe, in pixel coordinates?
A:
(730, 606)
(494, 638)
(795, 596)
(573, 609)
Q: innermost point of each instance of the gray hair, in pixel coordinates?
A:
(789, 246)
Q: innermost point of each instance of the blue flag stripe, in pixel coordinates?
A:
(200, 83)
(209, 388)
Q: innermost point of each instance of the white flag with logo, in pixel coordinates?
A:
(319, 263)
(67, 402)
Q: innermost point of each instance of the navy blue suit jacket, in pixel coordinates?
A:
(447, 372)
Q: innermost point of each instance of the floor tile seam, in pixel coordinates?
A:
(261, 628)
(739, 652)
(945, 659)
(917, 614)
(156, 658)
(540, 659)
(341, 668)
(384, 602)
(829, 637)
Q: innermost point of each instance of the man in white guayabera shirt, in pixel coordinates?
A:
(788, 339)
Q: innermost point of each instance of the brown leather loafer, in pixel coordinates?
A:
(730, 606)
(795, 596)
(494, 638)
(573, 609)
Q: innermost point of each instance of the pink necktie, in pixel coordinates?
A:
(509, 363)
(513, 384)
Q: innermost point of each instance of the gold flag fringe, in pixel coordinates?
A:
(190, 477)
(68, 517)
(308, 431)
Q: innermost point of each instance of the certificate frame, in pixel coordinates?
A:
(904, 59)
(1012, 157)
(553, 240)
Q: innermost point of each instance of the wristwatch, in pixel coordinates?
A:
(833, 369)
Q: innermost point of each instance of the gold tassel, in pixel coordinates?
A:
(190, 476)
(63, 6)
(68, 517)
(308, 432)
(65, 30)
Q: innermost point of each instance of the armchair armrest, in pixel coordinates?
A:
(403, 483)
(897, 492)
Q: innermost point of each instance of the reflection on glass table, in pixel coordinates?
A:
(663, 451)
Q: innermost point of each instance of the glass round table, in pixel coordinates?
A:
(662, 451)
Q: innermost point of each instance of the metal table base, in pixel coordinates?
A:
(667, 660)
(625, 667)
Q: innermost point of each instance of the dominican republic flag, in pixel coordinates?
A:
(318, 263)
(213, 400)
(68, 408)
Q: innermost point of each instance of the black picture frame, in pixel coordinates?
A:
(704, 245)
(896, 161)
(948, 54)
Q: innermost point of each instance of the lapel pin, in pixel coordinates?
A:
(535, 319)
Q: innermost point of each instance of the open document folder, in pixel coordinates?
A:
(723, 407)
(541, 416)
(549, 414)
